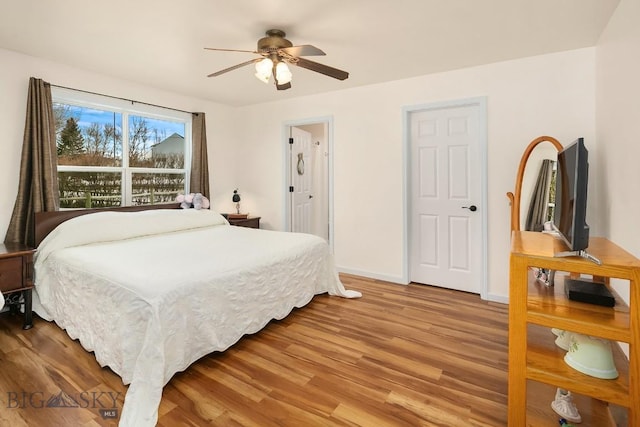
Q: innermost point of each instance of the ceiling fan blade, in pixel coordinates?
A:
(303, 50)
(217, 73)
(284, 86)
(321, 68)
(231, 50)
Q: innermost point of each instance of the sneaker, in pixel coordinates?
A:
(563, 405)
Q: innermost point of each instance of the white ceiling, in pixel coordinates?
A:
(160, 42)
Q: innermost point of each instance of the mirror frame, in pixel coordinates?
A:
(515, 198)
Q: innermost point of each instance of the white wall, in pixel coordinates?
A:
(618, 114)
(14, 80)
(544, 95)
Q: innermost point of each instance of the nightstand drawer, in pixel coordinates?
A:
(250, 222)
(10, 274)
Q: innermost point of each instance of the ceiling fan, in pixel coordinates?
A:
(275, 53)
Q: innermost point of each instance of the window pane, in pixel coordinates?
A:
(88, 137)
(154, 188)
(90, 189)
(156, 143)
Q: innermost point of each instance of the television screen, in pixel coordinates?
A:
(571, 195)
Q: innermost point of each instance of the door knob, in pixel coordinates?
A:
(310, 196)
(472, 208)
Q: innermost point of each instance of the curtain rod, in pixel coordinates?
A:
(122, 99)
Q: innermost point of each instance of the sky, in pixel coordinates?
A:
(87, 116)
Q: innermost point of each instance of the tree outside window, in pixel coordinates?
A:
(117, 158)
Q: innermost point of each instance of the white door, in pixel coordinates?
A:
(301, 179)
(446, 238)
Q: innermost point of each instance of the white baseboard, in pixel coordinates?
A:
(503, 299)
(370, 275)
(498, 298)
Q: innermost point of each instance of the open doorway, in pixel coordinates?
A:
(308, 155)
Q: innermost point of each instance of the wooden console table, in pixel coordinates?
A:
(531, 303)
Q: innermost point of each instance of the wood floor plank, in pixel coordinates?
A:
(400, 355)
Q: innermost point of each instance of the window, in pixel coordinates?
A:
(112, 152)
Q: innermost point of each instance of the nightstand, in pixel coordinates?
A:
(251, 222)
(16, 278)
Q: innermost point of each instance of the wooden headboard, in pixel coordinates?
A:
(45, 222)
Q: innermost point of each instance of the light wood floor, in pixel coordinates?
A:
(399, 356)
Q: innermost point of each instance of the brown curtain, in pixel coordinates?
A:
(539, 205)
(38, 186)
(199, 164)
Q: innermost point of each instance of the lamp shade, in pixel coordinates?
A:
(563, 340)
(263, 70)
(283, 74)
(592, 356)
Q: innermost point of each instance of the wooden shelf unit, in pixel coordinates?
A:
(532, 303)
(539, 412)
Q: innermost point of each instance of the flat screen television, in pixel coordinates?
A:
(570, 212)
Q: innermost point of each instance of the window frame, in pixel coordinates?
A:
(127, 108)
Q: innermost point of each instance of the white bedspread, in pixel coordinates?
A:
(151, 292)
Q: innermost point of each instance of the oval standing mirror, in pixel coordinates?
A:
(534, 185)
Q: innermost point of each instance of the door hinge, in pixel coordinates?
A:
(290, 140)
(291, 189)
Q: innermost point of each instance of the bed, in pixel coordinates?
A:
(150, 292)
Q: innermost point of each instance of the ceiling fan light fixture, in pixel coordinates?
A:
(283, 74)
(263, 70)
(275, 54)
